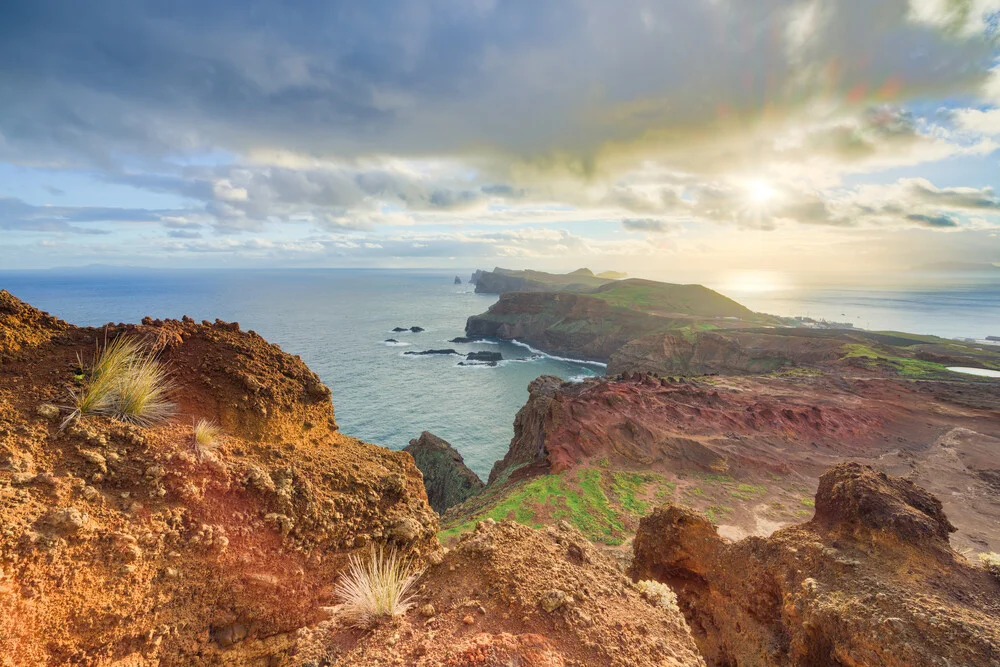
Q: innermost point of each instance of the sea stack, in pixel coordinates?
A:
(447, 479)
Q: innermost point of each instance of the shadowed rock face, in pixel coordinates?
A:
(565, 324)
(870, 580)
(447, 479)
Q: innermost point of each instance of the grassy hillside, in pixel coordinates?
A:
(581, 279)
(656, 297)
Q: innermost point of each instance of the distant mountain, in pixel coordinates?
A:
(959, 266)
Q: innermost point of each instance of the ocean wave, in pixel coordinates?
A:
(389, 343)
(586, 362)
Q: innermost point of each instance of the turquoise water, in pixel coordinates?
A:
(337, 320)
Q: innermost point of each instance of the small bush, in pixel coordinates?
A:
(991, 562)
(205, 439)
(375, 587)
(125, 381)
(658, 594)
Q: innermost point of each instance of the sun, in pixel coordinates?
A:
(760, 192)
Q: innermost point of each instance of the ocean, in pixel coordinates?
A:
(338, 319)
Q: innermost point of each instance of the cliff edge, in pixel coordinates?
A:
(119, 544)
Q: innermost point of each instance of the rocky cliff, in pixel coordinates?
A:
(572, 325)
(447, 479)
(759, 350)
(723, 353)
(119, 545)
(870, 580)
(748, 451)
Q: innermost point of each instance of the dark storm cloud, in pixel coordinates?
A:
(90, 81)
(932, 220)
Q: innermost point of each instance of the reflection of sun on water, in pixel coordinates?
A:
(754, 282)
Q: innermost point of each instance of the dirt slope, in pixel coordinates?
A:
(509, 595)
(119, 546)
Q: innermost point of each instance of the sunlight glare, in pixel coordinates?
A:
(760, 191)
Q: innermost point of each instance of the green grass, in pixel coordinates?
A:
(808, 502)
(666, 492)
(717, 513)
(903, 365)
(652, 296)
(746, 492)
(603, 505)
(626, 486)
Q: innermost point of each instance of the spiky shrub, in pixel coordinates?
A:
(205, 439)
(658, 594)
(376, 587)
(125, 381)
(991, 562)
(97, 395)
(142, 394)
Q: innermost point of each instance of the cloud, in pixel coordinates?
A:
(443, 76)
(386, 123)
(649, 225)
(932, 221)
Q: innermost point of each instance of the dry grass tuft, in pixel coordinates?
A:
(205, 439)
(127, 382)
(991, 562)
(375, 587)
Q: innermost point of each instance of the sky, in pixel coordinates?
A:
(663, 138)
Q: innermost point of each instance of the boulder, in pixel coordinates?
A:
(870, 580)
(424, 352)
(447, 479)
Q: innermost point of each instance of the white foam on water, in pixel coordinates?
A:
(552, 356)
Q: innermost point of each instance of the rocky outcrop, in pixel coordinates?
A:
(723, 353)
(432, 352)
(564, 324)
(871, 580)
(492, 357)
(447, 479)
(510, 595)
(530, 426)
(458, 280)
(23, 326)
(119, 544)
